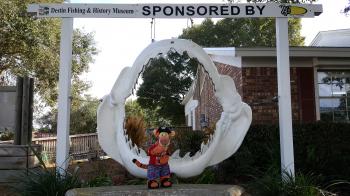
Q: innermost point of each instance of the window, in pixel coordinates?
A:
(334, 95)
(203, 121)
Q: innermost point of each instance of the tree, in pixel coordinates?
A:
(276, 1)
(166, 80)
(347, 8)
(132, 108)
(83, 115)
(31, 47)
(241, 32)
(150, 117)
(82, 119)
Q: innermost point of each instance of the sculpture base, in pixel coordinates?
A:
(177, 189)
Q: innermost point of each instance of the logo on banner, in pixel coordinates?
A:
(43, 10)
(292, 10)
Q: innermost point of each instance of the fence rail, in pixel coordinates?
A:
(82, 146)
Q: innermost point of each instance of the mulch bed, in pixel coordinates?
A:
(91, 169)
(88, 170)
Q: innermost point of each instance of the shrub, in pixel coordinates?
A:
(135, 127)
(45, 182)
(321, 148)
(7, 135)
(188, 141)
(270, 183)
(103, 180)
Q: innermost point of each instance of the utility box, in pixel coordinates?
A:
(8, 108)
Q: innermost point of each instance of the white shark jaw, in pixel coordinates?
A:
(230, 129)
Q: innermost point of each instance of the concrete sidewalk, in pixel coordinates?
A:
(176, 190)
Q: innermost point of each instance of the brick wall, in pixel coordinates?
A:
(208, 106)
(257, 86)
(208, 103)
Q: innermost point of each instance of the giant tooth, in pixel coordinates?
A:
(187, 156)
(130, 144)
(135, 149)
(198, 154)
(202, 146)
(176, 154)
(142, 153)
(210, 140)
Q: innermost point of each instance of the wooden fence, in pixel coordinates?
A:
(82, 146)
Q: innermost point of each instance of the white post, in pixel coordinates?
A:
(284, 96)
(62, 144)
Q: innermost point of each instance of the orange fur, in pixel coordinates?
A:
(139, 164)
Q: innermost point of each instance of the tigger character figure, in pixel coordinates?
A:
(158, 166)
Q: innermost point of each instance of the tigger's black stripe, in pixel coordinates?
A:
(140, 165)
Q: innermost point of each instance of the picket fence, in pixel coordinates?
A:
(82, 146)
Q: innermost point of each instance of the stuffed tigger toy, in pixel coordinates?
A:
(158, 167)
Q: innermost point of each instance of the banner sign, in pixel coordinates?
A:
(74, 10)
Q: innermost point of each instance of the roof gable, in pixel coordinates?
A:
(333, 38)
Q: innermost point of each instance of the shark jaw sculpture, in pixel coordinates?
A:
(230, 129)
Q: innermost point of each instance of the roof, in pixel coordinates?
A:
(234, 56)
(335, 38)
(271, 52)
(296, 52)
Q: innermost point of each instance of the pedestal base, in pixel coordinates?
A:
(176, 190)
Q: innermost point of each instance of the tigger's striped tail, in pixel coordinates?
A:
(139, 164)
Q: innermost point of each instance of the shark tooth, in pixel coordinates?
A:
(176, 154)
(198, 154)
(204, 148)
(142, 153)
(187, 156)
(130, 144)
(135, 150)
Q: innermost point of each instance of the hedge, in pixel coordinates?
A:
(320, 148)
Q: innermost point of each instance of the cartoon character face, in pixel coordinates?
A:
(164, 139)
(163, 134)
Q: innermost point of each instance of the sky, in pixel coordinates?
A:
(120, 41)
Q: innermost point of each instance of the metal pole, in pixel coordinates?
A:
(30, 109)
(25, 111)
(18, 126)
(284, 96)
(62, 143)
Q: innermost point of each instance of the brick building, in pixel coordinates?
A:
(320, 82)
